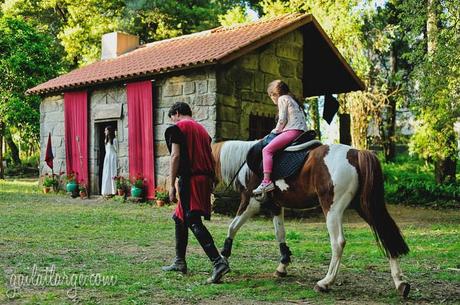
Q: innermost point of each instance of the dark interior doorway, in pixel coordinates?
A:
(100, 140)
(260, 126)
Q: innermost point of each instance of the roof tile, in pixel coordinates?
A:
(207, 47)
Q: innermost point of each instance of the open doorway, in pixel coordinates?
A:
(100, 142)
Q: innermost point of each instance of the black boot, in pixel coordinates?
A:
(221, 268)
(179, 263)
(207, 243)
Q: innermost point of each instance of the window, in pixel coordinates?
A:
(260, 126)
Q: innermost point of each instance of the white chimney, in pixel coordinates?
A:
(116, 43)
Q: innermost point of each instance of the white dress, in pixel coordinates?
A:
(109, 171)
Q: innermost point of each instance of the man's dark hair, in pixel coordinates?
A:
(180, 108)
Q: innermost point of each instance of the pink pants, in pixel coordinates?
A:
(281, 141)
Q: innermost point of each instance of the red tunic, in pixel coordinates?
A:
(200, 171)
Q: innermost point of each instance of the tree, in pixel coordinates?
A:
(236, 15)
(435, 33)
(80, 24)
(29, 57)
(385, 44)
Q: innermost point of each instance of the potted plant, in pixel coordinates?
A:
(161, 196)
(121, 184)
(83, 190)
(71, 185)
(49, 182)
(137, 185)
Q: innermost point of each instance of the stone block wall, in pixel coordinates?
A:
(242, 84)
(52, 120)
(198, 89)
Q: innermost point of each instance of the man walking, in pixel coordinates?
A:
(191, 161)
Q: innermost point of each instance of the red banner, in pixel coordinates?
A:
(140, 133)
(76, 134)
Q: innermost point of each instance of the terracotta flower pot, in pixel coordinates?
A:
(121, 192)
(160, 203)
(46, 189)
(83, 195)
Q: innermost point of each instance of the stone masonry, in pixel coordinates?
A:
(242, 84)
(198, 89)
(52, 120)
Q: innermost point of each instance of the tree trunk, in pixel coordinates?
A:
(2, 174)
(389, 142)
(344, 128)
(431, 27)
(12, 146)
(445, 170)
(314, 114)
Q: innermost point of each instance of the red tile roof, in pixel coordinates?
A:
(219, 45)
(203, 48)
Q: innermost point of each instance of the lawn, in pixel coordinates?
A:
(130, 243)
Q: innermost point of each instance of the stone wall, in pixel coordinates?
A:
(52, 120)
(198, 89)
(242, 84)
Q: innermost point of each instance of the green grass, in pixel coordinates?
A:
(132, 242)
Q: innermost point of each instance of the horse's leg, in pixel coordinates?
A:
(280, 234)
(335, 228)
(402, 287)
(252, 208)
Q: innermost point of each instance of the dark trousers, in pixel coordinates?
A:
(201, 233)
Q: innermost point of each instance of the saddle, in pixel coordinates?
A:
(286, 162)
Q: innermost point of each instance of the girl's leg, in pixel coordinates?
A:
(278, 143)
(275, 145)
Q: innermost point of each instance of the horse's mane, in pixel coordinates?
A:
(231, 155)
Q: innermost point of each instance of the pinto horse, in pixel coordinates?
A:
(334, 177)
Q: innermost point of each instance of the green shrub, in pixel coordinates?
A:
(411, 180)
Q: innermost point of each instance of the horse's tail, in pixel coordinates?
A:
(372, 206)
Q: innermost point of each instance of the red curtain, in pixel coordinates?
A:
(76, 134)
(140, 133)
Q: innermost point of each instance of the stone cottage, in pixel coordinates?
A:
(222, 73)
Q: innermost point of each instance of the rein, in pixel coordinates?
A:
(234, 177)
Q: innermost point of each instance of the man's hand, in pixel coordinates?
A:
(172, 194)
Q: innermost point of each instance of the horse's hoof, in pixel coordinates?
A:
(404, 289)
(280, 274)
(318, 288)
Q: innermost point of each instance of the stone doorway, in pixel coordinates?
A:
(100, 149)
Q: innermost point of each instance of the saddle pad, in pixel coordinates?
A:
(285, 163)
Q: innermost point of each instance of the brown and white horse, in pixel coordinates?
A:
(333, 176)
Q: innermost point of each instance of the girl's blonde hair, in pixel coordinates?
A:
(281, 88)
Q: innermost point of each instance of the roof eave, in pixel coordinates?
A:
(60, 89)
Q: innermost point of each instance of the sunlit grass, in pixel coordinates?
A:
(132, 242)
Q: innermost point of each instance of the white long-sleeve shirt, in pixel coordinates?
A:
(290, 115)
